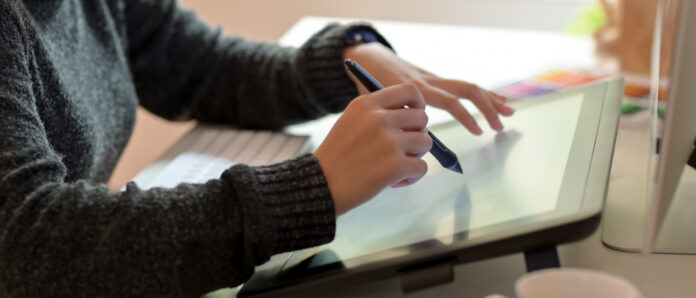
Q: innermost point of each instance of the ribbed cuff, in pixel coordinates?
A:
(321, 65)
(294, 205)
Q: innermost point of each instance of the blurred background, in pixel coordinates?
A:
(269, 19)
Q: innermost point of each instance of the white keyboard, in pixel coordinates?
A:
(205, 152)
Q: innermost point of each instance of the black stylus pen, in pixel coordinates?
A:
(444, 156)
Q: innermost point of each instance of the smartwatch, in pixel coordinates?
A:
(360, 36)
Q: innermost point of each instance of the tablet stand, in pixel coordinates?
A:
(440, 272)
(542, 258)
(427, 275)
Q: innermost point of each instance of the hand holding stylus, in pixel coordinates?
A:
(374, 144)
(444, 155)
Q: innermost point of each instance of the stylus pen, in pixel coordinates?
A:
(444, 156)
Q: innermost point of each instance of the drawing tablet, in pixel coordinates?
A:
(540, 182)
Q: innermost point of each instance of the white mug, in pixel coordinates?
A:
(573, 283)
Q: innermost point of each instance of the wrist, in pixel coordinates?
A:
(370, 56)
(362, 37)
(324, 161)
(288, 201)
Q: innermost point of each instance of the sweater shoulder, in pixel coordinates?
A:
(12, 23)
(14, 42)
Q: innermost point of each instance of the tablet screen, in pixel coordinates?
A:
(532, 176)
(508, 175)
(542, 180)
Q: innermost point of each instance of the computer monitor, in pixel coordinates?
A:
(660, 217)
(679, 127)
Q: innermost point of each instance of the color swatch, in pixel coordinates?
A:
(560, 79)
(547, 82)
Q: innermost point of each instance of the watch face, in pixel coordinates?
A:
(360, 36)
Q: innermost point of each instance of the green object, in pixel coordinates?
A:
(661, 111)
(628, 108)
(588, 20)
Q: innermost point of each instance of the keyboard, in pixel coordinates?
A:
(207, 151)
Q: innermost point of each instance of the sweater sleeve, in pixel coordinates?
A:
(183, 69)
(74, 238)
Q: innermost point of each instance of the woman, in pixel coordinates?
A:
(72, 74)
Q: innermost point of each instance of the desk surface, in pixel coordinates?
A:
(492, 58)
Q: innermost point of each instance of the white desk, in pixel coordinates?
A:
(491, 58)
(462, 53)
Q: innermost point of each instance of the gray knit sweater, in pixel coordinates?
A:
(71, 76)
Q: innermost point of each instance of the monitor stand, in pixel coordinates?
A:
(623, 218)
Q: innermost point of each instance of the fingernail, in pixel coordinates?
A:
(477, 130)
(497, 125)
(509, 110)
(402, 183)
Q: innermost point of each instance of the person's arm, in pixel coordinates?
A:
(62, 238)
(184, 69)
